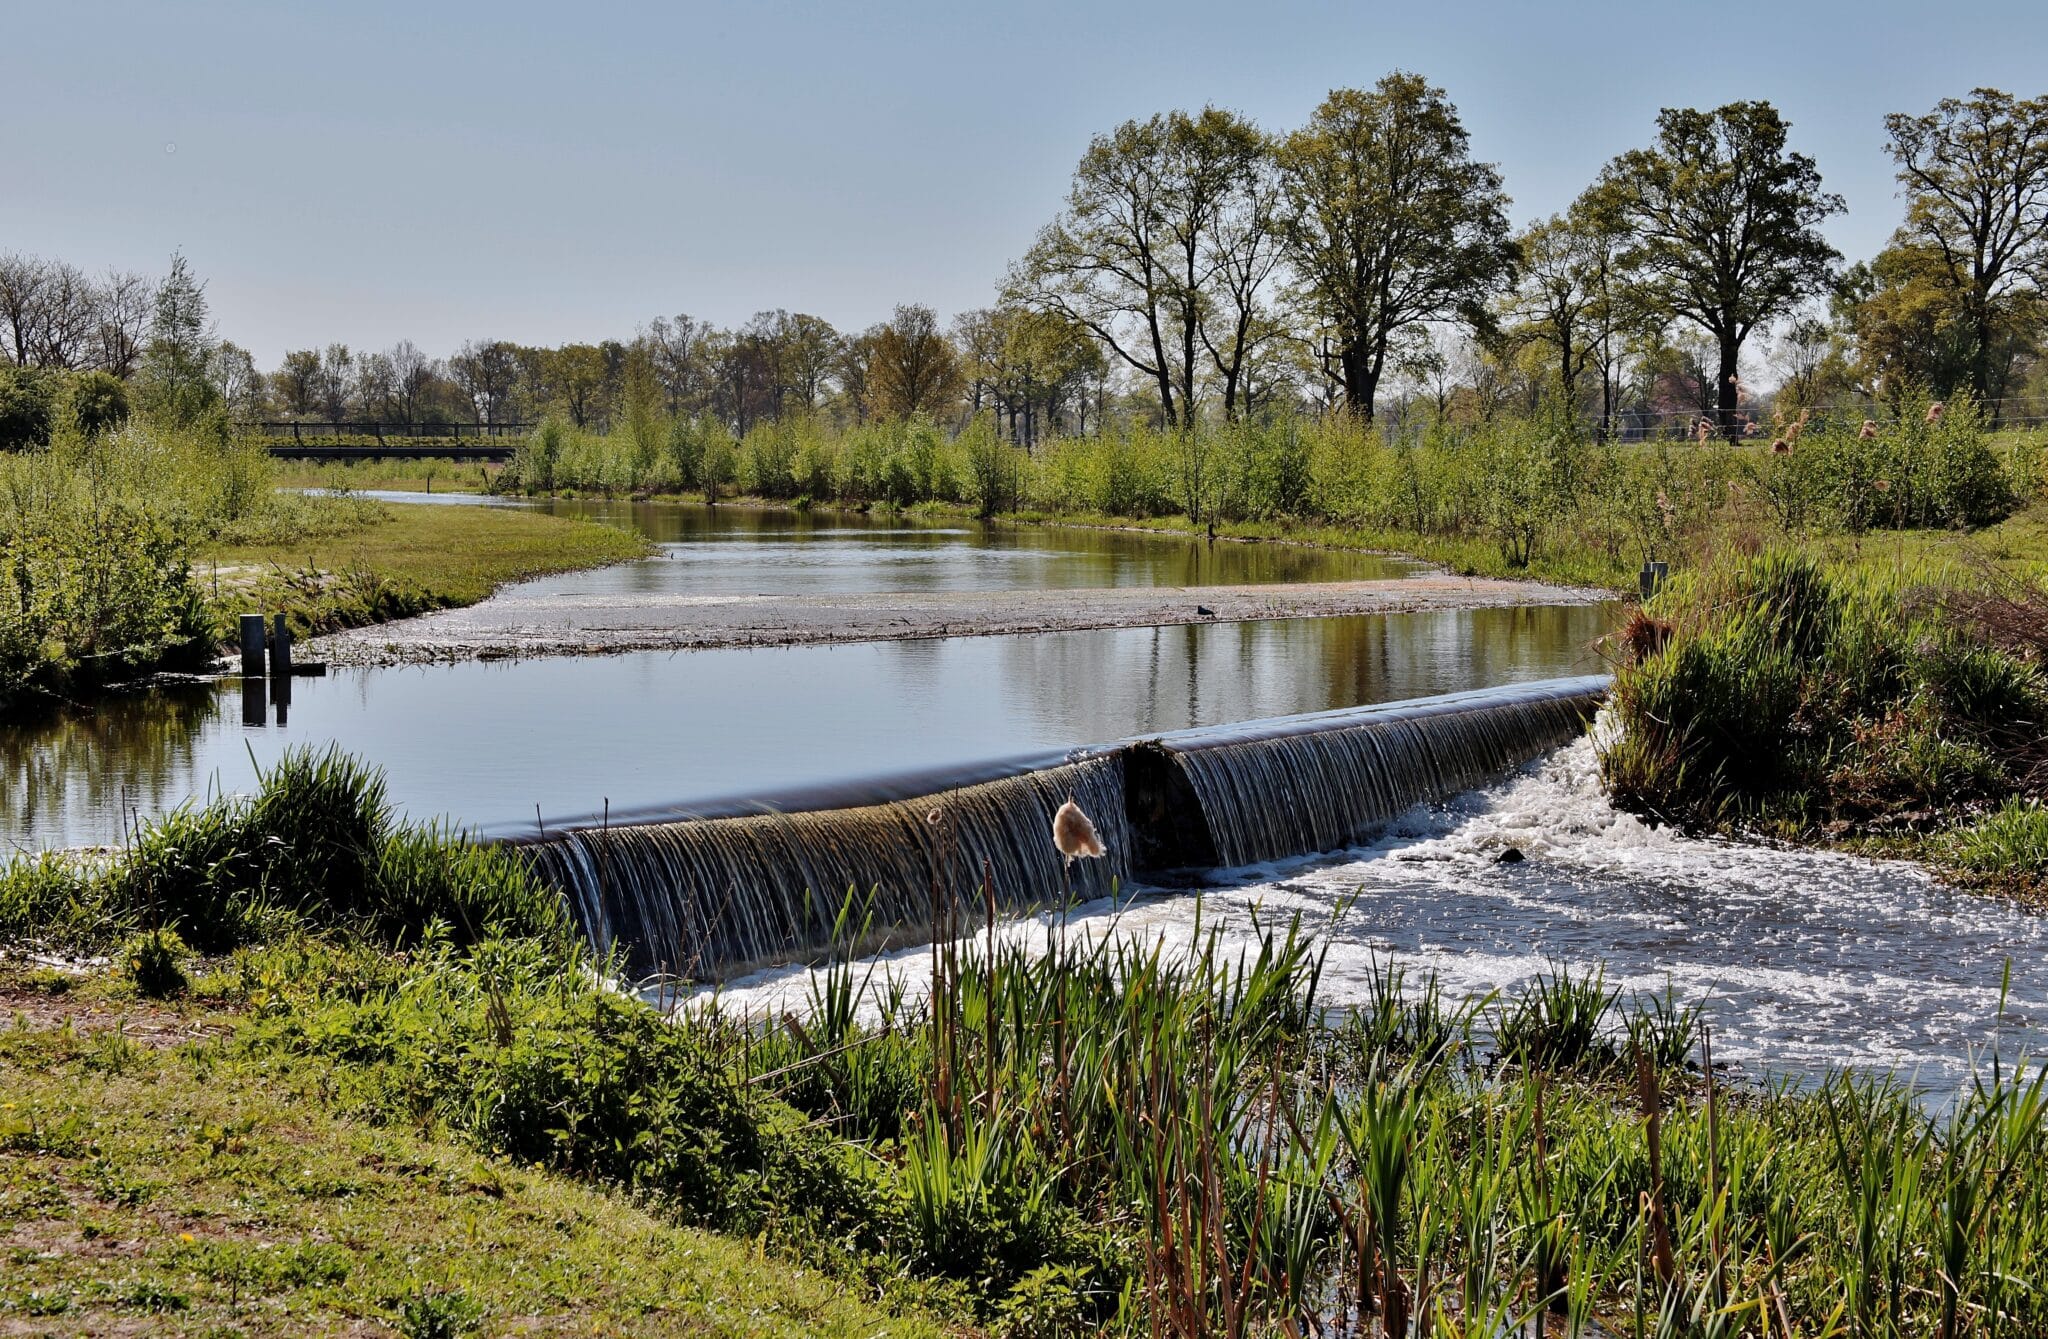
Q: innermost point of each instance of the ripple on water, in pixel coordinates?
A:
(1807, 960)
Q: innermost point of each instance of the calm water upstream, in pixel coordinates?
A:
(486, 743)
(745, 551)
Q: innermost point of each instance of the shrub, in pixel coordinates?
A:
(97, 403)
(28, 405)
(315, 846)
(1790, 692)
(154, 962)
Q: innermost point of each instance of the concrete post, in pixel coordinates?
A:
(280, 648)
(252, 644)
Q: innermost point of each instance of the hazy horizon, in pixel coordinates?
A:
(545, 175)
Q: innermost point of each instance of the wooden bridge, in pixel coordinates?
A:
(298, 440)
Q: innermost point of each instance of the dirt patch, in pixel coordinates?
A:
(145, 1023)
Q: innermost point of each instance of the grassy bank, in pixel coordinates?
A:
(1890, 699)
(156, 1176)
(1508, 496)
(407, 476)
(1090, 1137)
(112, 550)
(403, 560)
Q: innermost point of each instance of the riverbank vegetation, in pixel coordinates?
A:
(132, 551)
(1081, 1136)
(1788, 695)
(1511, 494)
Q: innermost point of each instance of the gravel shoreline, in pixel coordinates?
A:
(510, 626)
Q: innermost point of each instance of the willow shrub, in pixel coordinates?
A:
(1780, 690)
(96, 542)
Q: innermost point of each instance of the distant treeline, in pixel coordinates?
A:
(1203, 267)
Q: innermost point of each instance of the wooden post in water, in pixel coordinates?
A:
(252, 645)
(280, 648)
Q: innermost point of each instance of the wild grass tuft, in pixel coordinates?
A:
(315, 847)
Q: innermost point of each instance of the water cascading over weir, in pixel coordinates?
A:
(693, 893)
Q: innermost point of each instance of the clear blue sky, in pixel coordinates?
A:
(440, 171)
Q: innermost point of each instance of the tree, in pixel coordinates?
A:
(97, 403)
(233, 372)
(21, 301)
(337, 381)
(1388, 222)
(486, 372)
(1723, 228)
(376, 386)
(1975, 175)
(122, 312)
(1241, 250)
(677, 349)
(413, 376)
(1558, 295)
(28, 407)
(297, 383)
(576, 376)
(48, 311)
(915, 368)
(809, 352)
(856, 373)
(177, 362)
(1157, 209)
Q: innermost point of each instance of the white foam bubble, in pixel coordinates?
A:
(1807, 960)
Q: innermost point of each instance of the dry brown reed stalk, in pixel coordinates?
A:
(1650, 1103)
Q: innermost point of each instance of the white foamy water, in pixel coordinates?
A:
(1806, 961)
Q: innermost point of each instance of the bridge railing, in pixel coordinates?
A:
(300, 430)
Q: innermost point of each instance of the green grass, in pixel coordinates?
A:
(406, 560)
(197, 1189)
(315, 847)
(2008, 848)
(412, 476)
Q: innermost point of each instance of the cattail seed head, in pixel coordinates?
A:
(1073, 834)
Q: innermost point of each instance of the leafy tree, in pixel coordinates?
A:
(575, 378)
(1569, 296)
(233, 372)
(1723, 228)
(1975, 174)
(1387, 223)
(1162, 249)
(1910, 326)
(177, 362)
(914, 368)
(297, 382)
(98, 403)
(486, 371)
(28, 399)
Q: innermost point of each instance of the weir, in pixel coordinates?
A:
(693, 892)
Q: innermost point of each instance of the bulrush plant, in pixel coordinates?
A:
(1106, 1135)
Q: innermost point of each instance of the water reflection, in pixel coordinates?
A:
(487, 742)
